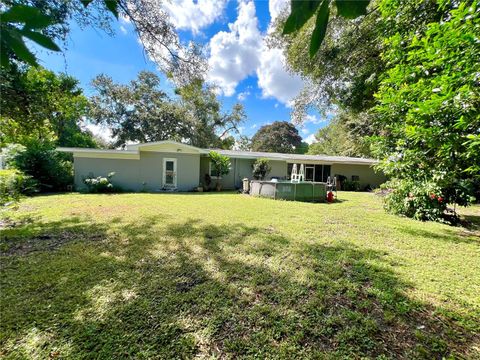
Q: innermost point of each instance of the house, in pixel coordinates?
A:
(171, 165)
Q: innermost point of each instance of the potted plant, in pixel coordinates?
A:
(220, 165)
(260, 169)
(208, 181)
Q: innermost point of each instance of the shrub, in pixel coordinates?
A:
(100, 184)
(53, 171)
(418, 200)
(13, 184)
(351, 185)
(260, 168)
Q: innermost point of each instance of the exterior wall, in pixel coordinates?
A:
(367, 174)
(279, 169)
(144, 174)
(126, 171)
(241, 168)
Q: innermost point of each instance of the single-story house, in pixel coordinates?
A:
(171, 165)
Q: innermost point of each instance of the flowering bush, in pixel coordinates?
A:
(418, 200)
(100, 184)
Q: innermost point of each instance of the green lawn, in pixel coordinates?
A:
(227, 276)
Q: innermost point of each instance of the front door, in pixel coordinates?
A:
(170, 173)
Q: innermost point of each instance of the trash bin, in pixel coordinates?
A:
(246, 185)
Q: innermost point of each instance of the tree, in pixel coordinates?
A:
(345, 73)
(260, 168)
(51, 170)
(142, 112)
(243, 143)
(335, 139)
(281, 136)
(210, 125)
(44, 21)
(303, 11)
(138, 112)
(221, 166)
(37, 103)
(428, 111)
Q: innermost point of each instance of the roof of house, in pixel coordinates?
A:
(172, 146)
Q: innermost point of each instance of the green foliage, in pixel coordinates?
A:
(21, 21)
(14, 183)
(37, 103)
(336, 139)
(350, 185)
(281, 137)
(260, 168)
(208, 123)
(53, 171)
(138, 112)
(142, 112)
(428, 108)
(43, 22)
(302, 11)
(221, 164)
(100, 184)
(418, 200)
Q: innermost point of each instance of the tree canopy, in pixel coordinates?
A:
(281, 137)
(142, 112)
(37, 103)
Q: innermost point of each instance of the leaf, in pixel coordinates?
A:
(352, 9)
(29, 15)
(86, 2)
(320, 27)
(301, 12)
(40, 39)
(14, 41)
(112, 5)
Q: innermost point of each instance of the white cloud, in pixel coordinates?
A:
(242, 51)
(314, 119)
(254, 126)
(243, 95)
(234, 54)
(194, 15)
(310, 139)
(273, 78)
(305, 131)
(102, 132)
(123, 29)
(275, 7)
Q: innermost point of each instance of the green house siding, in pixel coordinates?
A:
(145, 173)
(366, 174)
(241, 168)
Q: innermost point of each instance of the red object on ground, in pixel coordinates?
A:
(330, 197)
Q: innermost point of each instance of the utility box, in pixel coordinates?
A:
(246, 186)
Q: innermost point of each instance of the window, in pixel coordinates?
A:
(355, 178)
(317, 173)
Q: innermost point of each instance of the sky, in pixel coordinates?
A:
(240, 64)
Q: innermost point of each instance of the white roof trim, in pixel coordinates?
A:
(139, 146)
(133, 152)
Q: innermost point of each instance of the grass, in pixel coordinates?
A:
(230, 276)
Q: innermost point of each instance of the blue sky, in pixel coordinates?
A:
(240, 64)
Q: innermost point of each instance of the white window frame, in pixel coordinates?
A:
(174, 160)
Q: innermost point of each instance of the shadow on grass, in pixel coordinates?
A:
(160, 289)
